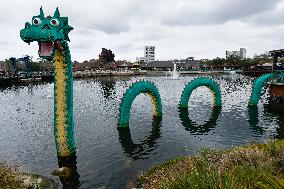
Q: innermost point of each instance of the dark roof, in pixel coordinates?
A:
(169, 64)
(279, 53)
(122, 63)
(91, 64)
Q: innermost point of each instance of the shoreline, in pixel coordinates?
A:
(11, 177)
(248, 166)
(78, 75)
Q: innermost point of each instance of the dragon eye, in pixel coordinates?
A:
(54, 22)
(37, 21)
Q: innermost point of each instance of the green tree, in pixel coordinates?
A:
(217, 62)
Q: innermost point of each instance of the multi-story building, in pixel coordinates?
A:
(241, 53)
(149, 54)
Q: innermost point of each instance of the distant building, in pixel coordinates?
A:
(2, 65)
(139, 59)
(232, 53)
(149, 54)
(86, 65)
(190, 58)
(181, 65)
(241, 53)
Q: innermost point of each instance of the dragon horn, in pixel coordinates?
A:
(41, 14)
(56, 13)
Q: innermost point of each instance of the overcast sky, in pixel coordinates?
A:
(178, 28)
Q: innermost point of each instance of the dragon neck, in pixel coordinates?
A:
(63, 102)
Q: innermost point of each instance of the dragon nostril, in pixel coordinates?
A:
(27, 26)
(46, 27)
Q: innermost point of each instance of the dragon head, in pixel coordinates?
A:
(48, 31)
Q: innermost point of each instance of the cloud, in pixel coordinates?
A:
(111, 17)
(222, 12)
(178, 29)
(273, 17)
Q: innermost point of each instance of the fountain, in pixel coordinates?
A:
(175, 74)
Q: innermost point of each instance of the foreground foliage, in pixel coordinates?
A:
(10, 177)
(252, 166)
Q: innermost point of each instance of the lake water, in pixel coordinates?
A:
(112, 158)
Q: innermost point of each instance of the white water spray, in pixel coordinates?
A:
(175, 74)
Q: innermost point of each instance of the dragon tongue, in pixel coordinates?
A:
(58, 45)
(45, 48)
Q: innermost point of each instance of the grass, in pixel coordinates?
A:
(12, 178)
(251, 166)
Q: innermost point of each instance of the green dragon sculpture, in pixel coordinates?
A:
(198, 82)
(127, 99)
(51, 33)
(256, 89)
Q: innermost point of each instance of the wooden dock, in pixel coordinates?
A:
(276, 89)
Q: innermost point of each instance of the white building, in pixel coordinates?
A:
(149, 54)
(139, 59)
(241, 53)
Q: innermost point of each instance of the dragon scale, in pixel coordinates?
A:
(63, 103)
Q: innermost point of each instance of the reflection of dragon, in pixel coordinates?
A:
(183, 104)
(253, 120)
(195, 128)
(51, 33)
(142, 149)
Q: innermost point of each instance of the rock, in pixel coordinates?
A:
(33, 181)
(62, 171)
(27, 180)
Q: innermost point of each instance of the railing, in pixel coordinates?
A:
(278, 71)
(278, 77)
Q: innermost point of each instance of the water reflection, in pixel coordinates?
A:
(193, 127)
(15, 87)
(107, 84)
(31, 90)
(31, 117)
(254, 120)
(276, 109)
(145, 147)
(70, 177)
